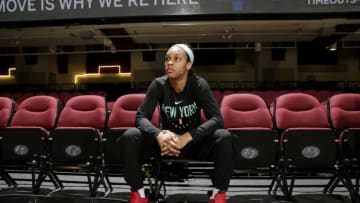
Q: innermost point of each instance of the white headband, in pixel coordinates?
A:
(187, 51)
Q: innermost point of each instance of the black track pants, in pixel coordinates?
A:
(217, 147)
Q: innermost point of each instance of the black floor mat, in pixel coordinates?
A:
(18, 191)
(318, 198)
(255, 199)
(188, 198)
(24, 195)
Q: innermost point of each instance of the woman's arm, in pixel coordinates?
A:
(146, 110)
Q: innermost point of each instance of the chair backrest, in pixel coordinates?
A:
(36, 111)
(242, 110)
(344, 110)
(124, 111)
(248, 118)
(297, 110)
(7, 106)
(307, 141)
(84, 111)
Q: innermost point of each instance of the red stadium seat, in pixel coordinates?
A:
(124, 111)
(307, 141)
(76, 142)
(344, 112)
(247, 117)
(122, 117)
(24, 141)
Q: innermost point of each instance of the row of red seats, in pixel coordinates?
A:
(64, 96)
(268, 95)
(82, 134)
(36, 101)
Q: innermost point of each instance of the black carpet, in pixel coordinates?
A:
(24, 195)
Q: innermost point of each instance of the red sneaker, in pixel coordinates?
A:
(219, 197)
(135, 198)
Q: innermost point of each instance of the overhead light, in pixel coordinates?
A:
(332, 47)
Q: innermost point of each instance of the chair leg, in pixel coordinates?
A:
(346, 180)
(332, 183)
(277, 184)
(91, 183)
(340, 176)
(284, 186)
(159, 183)
(357, 177)
(274, 175)
(55, 180)
(7, 178)
(100, 177)
(44, 171)
(37, 183)
(272, 183)
(108, 183)
(98, 180)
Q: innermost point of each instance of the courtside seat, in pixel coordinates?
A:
(248, 118)
(76, 142)
(308, 144)
(24, 142)
(344, 112)
(121, 118)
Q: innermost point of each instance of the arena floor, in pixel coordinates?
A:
(248, 189)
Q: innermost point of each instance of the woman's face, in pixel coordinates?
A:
(176, 63)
